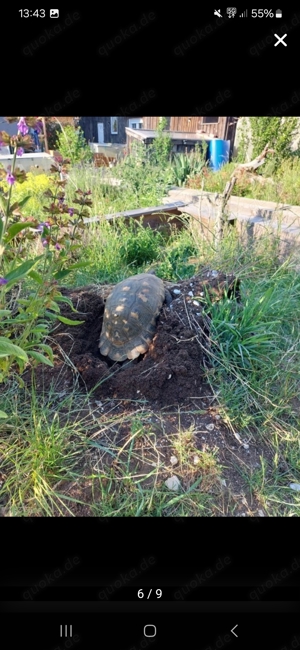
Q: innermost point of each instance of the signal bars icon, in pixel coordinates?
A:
(244, 14)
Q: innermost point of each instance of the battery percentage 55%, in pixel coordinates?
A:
(147, 594)
(260, 13)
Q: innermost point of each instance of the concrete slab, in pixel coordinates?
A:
(38, 160)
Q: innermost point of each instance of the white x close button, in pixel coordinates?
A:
(280, 40)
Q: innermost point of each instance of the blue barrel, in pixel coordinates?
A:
(218, 153)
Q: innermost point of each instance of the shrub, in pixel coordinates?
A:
(276, 131)
(176, 263)
(160, 150)
(189, 165)
(142, 245)
(72, 144)
(26, 318)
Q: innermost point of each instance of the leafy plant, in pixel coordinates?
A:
(141, 246)
(188, 165)
(72, 144)
(160, 149)
(276, 131)
(143, 183)
(25, 321)
(175, 263)
(243, 338)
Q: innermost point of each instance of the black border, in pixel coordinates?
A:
(108, 58)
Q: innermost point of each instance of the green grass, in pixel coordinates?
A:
(50, 464)
(256, 345)
(140, 185)
(41, 448)
(285, 189)
(61, 452)
(114, 251)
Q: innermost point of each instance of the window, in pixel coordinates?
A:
(210, 120)
(114, 125)
(135, 123)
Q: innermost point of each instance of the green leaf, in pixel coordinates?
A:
(36, 276)
(1, 226)
(40, 357)
(3, 415)
(41, 326)
(22, 270)
(52, 305)
(50, 315)
(78, 265)
(66, 300)
(67, 321)
(4, 202)
(40, 330)
(5, 312)
(23, 201)
(16, 228)
(29, 347)
(7, 349)
(47, 349)
(61, 274)
(23, 301)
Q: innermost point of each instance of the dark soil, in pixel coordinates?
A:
(170, 372)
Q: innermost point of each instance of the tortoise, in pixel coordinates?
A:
(130, 316)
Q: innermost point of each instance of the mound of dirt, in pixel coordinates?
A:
(171, 371)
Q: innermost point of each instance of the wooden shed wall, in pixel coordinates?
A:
(187, 124)
(90, 129)
(152, 122)
(191, 124)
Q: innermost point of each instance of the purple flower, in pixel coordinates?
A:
(58, 247)
(42, 225)
(22, 126)
(3, 281)
(10, 178)
(71, 212)
(20, 151)
(44, 242)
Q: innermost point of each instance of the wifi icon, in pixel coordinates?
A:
(244, 14)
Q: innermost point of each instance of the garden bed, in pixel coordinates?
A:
(170, 372)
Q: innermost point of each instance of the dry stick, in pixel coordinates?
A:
(221, 218)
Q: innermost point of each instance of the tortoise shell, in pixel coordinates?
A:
(130, 316)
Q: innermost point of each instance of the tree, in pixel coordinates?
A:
(278, 132)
